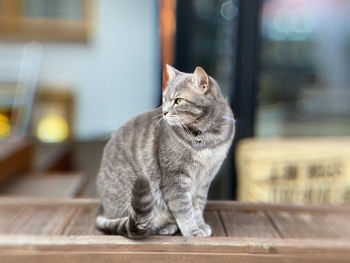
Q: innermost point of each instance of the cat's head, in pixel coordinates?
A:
(189, 97)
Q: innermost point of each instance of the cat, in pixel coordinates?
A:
(156, 169)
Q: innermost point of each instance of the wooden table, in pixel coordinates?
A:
(62, 230)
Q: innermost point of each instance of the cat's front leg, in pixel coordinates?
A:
(179, 200)
(199, 202)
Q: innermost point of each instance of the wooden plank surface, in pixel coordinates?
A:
(305, 224)
(76, 217)
(110, 243)
(24, 213)
(213, 219)
(229, 205)
(8, 216)
(83, 222)
(53, 229)
(42, 221)
(161, 257)
(211, 205)
(233, 248)
(248, 223)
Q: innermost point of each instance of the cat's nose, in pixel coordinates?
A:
(165, 113)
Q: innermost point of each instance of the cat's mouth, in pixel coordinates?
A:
(182, 123)
(176, 120)
(172, 120)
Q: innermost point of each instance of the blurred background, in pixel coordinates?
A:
(73, 71)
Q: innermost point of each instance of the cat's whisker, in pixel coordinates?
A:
(190, 117)
(157, 116)
(228, 118)
(185, 128)
(159, 122)
(192, 123)
(178, 123)
(191, 120)
(162, 123)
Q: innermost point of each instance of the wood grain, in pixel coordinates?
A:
(174, 244)
(63, 231)
(213, 219)
(310, 225)
(156, 257)
(248, 223)
(83, 222)
(8, 216)
(229, 205)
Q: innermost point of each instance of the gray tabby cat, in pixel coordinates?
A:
(156, 169)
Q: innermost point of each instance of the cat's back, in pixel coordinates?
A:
(135, 138)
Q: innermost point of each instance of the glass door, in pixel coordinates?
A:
(206, 36)
(304, 80)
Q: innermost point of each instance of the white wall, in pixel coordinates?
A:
(116, 75)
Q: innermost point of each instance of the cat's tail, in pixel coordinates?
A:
(139, 222)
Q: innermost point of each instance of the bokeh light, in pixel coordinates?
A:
(5, 127)
(228, 10)
(52, 129)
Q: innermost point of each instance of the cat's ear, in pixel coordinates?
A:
(172, 72)
(201, 79)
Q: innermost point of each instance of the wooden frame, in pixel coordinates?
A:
(22, 248)
(16, 26)
(167, 28)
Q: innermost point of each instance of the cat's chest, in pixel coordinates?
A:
(203, 157)
(210, 155)
(203, 161)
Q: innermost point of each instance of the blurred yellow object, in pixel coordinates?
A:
(52, 129)
(5, 127)
(294, 170)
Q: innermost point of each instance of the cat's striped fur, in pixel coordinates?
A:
(156, 169)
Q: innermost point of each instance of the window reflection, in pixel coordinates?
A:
(211, 39)
(206, 36)
(304, 85)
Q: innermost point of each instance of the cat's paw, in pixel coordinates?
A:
(206, 229)
(196, 232)
(168, 230)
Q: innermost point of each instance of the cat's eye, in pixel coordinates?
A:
(164, 99)
(178, 101)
